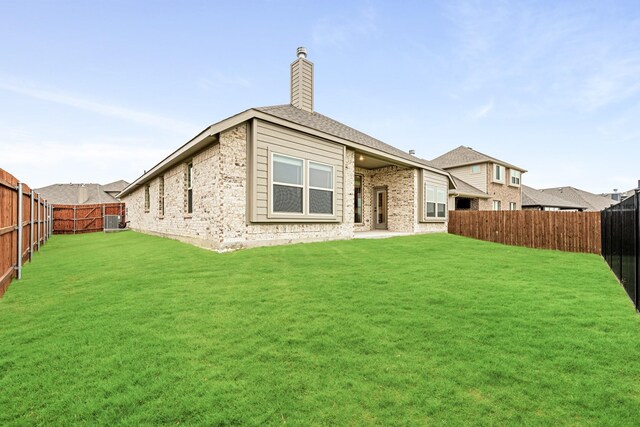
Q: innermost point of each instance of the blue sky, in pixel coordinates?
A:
(97, 91)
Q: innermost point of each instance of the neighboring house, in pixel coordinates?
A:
(283, 174)
(490, 183)
(592, 202)
(620, 196)
(533, 199)
(82, 194)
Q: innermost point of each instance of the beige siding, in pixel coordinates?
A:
(271, 139)
(478, 180)
(302, 84)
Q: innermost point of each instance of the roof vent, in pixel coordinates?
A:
(301, 52)
(412, 152)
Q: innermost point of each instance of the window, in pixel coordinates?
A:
(435, 201)
(288, 184)
(293, 194)
(189, 198)
(161, 196)
(498, 173)
(497, 205)
(147, 198)
(515, 177)
(475, 169)
(357, 203)
(320, 189)
(513, 206)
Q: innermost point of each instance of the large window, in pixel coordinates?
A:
(435, 201)
(291, 189)
(498, 173)
(189, 198)
(515, 177)
(357, 202)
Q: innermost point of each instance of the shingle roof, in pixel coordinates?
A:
(115, 186)
(465, 189)
(593, 202)
(67, 194)
(533, 197)
(467, 156)
(325, 124)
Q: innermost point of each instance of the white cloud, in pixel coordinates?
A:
(123, 113)
(483, 111)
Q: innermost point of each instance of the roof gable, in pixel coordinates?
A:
(533, 197)
(462, 156)
(593, 202)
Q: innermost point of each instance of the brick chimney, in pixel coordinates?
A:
(302, 82)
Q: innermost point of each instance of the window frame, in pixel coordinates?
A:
(308, 189)
(439, 189)
(147, 198)
(361, 198)
(305, 215)
(502, 170)
(511, 177)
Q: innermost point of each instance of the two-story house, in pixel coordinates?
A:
(482, 182)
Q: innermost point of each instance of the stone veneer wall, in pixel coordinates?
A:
(203, 225)
(219, 220)
(402, 200)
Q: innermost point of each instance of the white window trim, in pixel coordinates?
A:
(499, 205)
(309, 187)
(305, 215)
(502, 169)
(513, 206)
(436, 187)
(511, 183)
(286, 184)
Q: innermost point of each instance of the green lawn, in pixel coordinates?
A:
(129, 329)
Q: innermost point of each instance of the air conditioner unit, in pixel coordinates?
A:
(111, 222)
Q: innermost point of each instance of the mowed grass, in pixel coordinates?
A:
(129, 329)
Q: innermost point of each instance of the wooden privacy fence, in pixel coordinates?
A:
(25, 225)
(74, 219)
(564, 231)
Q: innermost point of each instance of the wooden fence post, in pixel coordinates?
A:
(38, 206)
(19, 221)
(31, 227)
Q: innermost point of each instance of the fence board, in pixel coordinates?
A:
(565, 231)
(10, 225)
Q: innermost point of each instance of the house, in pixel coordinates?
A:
(483, 182)
(285, 173)
(620, 196)
(82, 194)
(538, 200)
(593, 202)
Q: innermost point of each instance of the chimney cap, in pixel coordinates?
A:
(301, 52)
